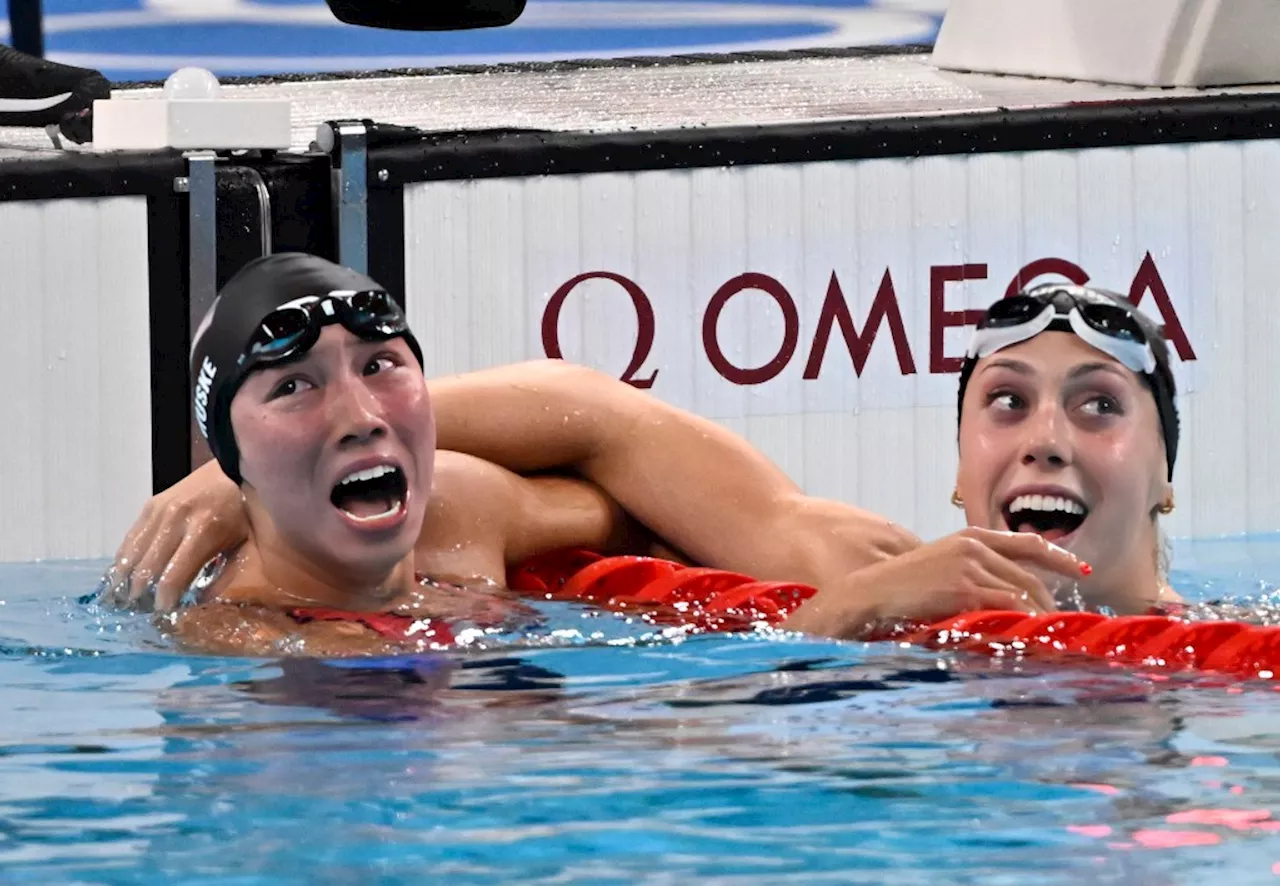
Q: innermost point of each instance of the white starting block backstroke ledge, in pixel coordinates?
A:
(191, 114)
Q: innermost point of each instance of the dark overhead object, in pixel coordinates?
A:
(427, 15)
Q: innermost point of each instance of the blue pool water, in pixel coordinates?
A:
(605, 754)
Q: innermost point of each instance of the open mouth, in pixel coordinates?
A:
(372, 494)
(1051, 516)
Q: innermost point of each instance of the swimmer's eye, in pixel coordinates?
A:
(289, 387)
(381, 363)
(1005, 400)
(1102, 404)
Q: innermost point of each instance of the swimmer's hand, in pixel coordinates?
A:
(177, 533)
(971, 570)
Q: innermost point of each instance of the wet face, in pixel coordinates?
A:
(337, 451)
(1059, 439)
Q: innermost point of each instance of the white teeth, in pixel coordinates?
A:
(367, 474)
(1045, 503)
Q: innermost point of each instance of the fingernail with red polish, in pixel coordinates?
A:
(1086, 569)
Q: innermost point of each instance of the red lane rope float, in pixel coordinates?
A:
(668, 593)
(547, 573)
(1160, 642)
(616, 577)
(660, 591)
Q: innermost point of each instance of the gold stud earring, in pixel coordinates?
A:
(956, 499)
(1167, 506)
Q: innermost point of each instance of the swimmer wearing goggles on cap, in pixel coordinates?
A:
(1068, 427)
(293, 408)
(1068, 430)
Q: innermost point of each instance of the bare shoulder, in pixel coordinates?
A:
(231, 629)
(458, 467)
(467, 487)
(463, 537)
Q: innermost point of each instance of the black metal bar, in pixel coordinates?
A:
(26, 26)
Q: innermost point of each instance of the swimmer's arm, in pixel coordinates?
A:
(483, 518)
(697, 485)
(563, 512)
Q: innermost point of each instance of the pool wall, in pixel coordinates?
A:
(75, 460)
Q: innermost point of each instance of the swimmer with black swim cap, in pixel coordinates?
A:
(1068, 428)
(308, 386)
(272, 311)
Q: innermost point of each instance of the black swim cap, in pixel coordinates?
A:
(219, 362)
(1159, 381)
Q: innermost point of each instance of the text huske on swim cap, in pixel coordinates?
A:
(203, 383)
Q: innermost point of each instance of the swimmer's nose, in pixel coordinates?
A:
(357, 414)
(1048, 437)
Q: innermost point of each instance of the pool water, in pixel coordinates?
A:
(604, 753)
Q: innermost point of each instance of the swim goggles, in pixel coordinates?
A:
(1097, 320)
(293, 328)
